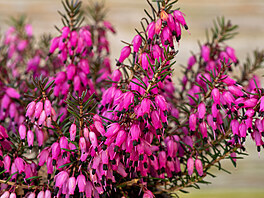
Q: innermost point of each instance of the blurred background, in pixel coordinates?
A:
(247, 180)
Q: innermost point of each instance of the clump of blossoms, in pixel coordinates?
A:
(85, 131)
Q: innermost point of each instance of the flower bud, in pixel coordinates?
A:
(7, 163)
(72, 132)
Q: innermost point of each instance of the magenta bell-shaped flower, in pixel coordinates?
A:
(93, 139)
(5, 102)
(179, 16)
(47, 107)
(116, 75)
(38, 110)
(5, 194)
(203, 129)
(231, 53)
(3, 133)
(192, 122)
(71, 185)
(73, 132)
(190, 166)
(71, 70)
(235, 126)
(135, 132)
(161, 102)
(42, 118)
(144, 61)
(32, 195)
(30, 138)
(199, 166)
(206, 53)
(81, 181)
(137, 41)
(201, 111)
(55, 150)
(41, 194)
(47, 194)
(65, 32)
(50, 168)
(54, 44)
(151, 31)
(12, 93)
(7, 163)
(121, 137)
(82, 144)
(20, 164)
(30, 109)
(112, 130)
(43, 155)
(125, 52)
(235, 90)
(191, 61)
(12, 195)
(61, 178)
(216, 95)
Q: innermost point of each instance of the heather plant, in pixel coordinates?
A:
(71, 127)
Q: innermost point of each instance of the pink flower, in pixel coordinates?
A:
(190, 166)
(73, 132)
(192, 122)
(206, 53)
(137, 41)
(71, 185)
(199, 166)
(125, 52)
(12, 93)
(201, 111)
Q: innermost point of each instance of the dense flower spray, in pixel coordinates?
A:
(85, 131)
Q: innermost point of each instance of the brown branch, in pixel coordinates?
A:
(18, 185)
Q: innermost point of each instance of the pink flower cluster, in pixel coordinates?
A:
(140, 134)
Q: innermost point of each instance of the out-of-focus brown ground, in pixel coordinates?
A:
(126, 14)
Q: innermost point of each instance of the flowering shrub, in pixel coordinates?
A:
(71, 127)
